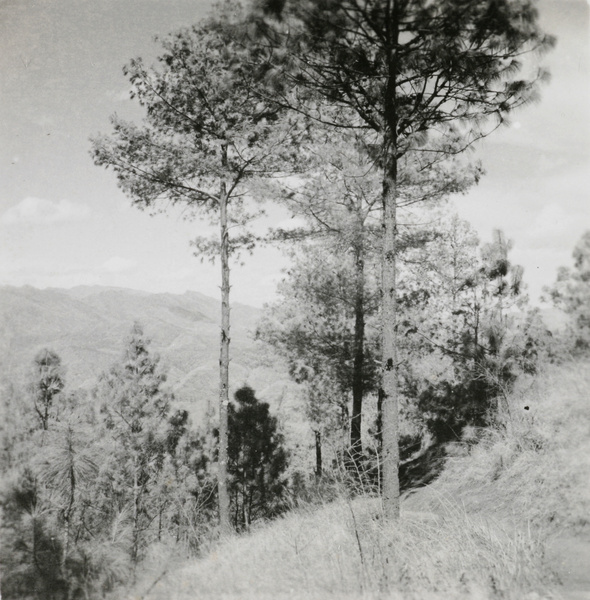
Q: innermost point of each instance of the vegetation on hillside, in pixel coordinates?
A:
(102, 489)
(480, 531)
(92, 482)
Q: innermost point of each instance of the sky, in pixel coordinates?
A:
(64, 222)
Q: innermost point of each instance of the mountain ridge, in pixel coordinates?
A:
(87, 326)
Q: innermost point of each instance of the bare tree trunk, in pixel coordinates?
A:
(356, 444)
(135, 549)
(389, 388)
(318, 455)
(66, 543)
(68, 512)
(248, 513)
(223, 493)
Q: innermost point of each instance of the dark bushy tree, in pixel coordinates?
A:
(257, 460)
(49, 382)
(30, 551)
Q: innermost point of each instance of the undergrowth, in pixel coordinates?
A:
(346, 550)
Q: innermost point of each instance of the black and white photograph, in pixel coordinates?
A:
(295, 299)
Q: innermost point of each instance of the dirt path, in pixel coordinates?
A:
(569, 557)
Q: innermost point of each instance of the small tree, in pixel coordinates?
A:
(571, 293)
(48, 382)
(30, 553)
(135, 407)
(257, 460)
(467, 334)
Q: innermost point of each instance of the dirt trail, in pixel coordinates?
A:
(569, 557)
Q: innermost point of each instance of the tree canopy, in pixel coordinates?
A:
(571, 292)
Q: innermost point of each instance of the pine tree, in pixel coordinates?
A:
(420, 77)
(134, 405)
(48, 383)
(571, 293)
(45, 468)
(204, 141)
(315, 326)
(468, 334)
(340, 204)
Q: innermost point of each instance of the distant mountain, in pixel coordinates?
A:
(88, 327)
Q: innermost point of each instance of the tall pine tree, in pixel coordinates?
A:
(419, 76)
(205, 138)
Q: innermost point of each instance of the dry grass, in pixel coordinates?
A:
(536, 467)
(346, 550)
(478, 532)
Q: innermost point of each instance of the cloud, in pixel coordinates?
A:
(39, 211)
(116, 264)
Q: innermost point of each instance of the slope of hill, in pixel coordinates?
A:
(507, 519)
(87, 327)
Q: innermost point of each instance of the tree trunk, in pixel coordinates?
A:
(223, 493)
(135, 548)
(248, 515)
(318, 455)
(379, 424)
(389, 391)
(356, 445)
(389, 387)
(68, 511)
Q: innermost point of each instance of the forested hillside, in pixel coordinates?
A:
(86, 326)
(508, 519)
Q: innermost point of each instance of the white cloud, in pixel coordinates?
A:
(39, 211)
(116, 264)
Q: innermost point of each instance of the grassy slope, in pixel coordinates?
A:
(537, 467)
(478, 532)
